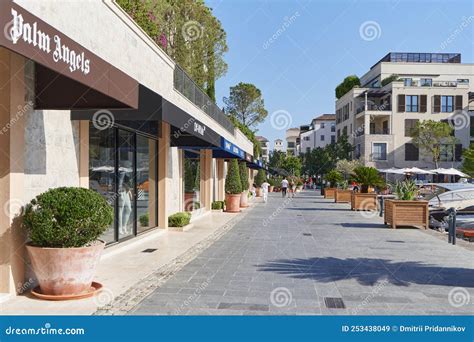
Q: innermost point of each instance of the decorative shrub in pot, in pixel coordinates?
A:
(244, 179)
(366, 177)
(259, 180)
(332, 178)
(64, 225)
(233, 187)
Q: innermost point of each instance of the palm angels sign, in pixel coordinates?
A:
(29, 33)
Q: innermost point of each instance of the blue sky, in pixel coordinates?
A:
(317, 43)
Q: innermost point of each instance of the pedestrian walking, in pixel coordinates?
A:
(253, 191)
(284, 187)
(265, 186)
(293, 188)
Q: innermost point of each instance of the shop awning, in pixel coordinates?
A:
(228, 150)
(67, 75)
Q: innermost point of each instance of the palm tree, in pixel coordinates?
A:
(366, 177)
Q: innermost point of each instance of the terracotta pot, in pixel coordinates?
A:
(259, 192)
(65, 271)
(244, 199)
(232, 203)
(188, 201)
(271, 188)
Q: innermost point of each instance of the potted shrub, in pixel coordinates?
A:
(405, 210)
(342, 194)
(367, 178)
(332, 178)
(259, 180)
(244, 179)
(299, 185)
(271, 181)
(179, 220)
(217, 205)
(64, 226)
(233, 188)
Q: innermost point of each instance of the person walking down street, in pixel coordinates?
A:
(284, 187)
(253, 191)
(292, 187)
(265, 186)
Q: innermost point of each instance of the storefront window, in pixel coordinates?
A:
(123, 168)
(192, 181)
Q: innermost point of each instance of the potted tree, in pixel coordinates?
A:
(366, 177)
(64, 226)
(259, 180)
(299, 185)
(342, 194)
(271, 181)
(405, 210)
(332, 178)
(244, 178)
(233, 188)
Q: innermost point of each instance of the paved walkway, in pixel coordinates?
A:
(297, 256)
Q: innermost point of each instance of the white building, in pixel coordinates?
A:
(278, 145)
(322, 132)
(292, 141)
(378, 115)
(265, 145)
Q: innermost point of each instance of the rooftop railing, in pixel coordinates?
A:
(184, 84)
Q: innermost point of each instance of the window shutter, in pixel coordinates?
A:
(422, 103)
(458, 152)
(458, 102)
(436, 104)
(411, 152)
(401, 103)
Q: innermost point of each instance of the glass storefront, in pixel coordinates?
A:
(123, 169)
(192, 180)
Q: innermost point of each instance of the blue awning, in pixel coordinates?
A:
(228, 150)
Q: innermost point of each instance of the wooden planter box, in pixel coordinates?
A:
(342, 196)
(360, 201)
(406, 213)
(329, 192)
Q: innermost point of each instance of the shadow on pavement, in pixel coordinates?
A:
(369, 271)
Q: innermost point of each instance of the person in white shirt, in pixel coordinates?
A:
(265, 186)
(284, 187)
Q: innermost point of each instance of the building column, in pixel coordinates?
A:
(13, 108)
(206, 178)
(366, 124)
(220, 179)
(163, 156)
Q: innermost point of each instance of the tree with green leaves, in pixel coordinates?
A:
(275, 159)
(367, 177)
(244, 175)
(468, 162)
(245, 103)
(333, 177)
(346, 85)
(260, 178)
(292, 165)
(233, 184)
(347, 167)
(428, 135)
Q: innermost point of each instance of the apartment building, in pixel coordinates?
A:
(321, 132)
(265, 146)
(399, 90)
(292, 141)
(278, 145)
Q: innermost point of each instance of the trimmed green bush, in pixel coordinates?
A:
(367, 177)
(180, 219)
(217, 205)
(260, 178)
(67, 217)
(346, 85)
(144, 220)
(244, 175)
(233, 185)
(333, 177)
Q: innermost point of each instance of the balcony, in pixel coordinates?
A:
(387, 107)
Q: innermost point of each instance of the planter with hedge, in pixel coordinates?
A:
(271, 181)
(217, 205)
(332, 178)
(233, 187)
(244, 179)
(366, 177)
(342, 194)
(259, 180)
(179, 220)
(405, 210)
(64, 225)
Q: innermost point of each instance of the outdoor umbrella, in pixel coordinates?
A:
(393, 170)
(416, 170)
(451, 171)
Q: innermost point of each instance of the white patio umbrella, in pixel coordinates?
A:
(416, 170)
(393, 170)
(452, 171)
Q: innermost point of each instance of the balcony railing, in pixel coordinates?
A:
(375, 108)
(187, 87)
(440, 83)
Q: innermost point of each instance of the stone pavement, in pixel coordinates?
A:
(301, 255)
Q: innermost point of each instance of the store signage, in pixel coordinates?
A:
(198, 128)
(29, 33)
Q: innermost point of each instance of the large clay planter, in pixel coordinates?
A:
(342, 196)
(329, 192)
(406, 213)
(188, 201)
(232, 203)
(244, 199)
(361, 201)
(65, 271)
(259, 192)
(271, 188)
